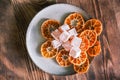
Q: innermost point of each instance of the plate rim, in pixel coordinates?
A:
(30, 26)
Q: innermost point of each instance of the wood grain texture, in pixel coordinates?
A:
(15, 63)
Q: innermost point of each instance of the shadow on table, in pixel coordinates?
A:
(24, 11)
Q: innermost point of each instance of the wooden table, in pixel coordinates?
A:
(15, 63)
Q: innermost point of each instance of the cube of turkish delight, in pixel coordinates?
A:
(56, 43)
(66, 45)
(73, 32)
(64, 36)
(55, 34)
(76, 41)
(75, 52)
(64, 27)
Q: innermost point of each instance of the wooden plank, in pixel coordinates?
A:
(7, 44)
(15, 63)
(116, 7)
(34, 73)
(110, 38)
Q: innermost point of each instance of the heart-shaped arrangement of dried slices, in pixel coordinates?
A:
(72, 43)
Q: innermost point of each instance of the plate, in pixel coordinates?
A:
(34, 38)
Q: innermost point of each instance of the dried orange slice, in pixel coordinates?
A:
(75, 20)
(80, 60)
(62, 58)
(94, 24)
(85, 44)
(95, 50)
(82, 68)
(47, 50)
(91, 35)
(47, 27)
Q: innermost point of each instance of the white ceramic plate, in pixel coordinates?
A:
(34, 38)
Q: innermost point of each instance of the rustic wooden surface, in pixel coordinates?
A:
(15, 63)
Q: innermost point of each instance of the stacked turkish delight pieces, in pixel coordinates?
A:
(67, 38)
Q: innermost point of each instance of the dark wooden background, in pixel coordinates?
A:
(15, 63)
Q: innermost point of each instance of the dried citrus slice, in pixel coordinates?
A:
(85, 44)
(75, 20)
(47, 50)
(62, 58)
(82, 68)
(94, 24)
(80, 60)
(47, 27)
(95, 50)
(91, 35)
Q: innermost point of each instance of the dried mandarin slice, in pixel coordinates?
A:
(94, 50)
(80, 60)
(75, 20)
(91, 35)
(82, 68)
(47, 50)
(62, 58)
(85, 44)
(47, 27)
(94, 24)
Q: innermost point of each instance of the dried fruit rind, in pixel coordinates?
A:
(75, 20)
(80, 60)
(47, 50)
(48, 26)
(82, 68)
(94, 50)
(91, 35)
(94, 24)
(85, 44)
(62, 58)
